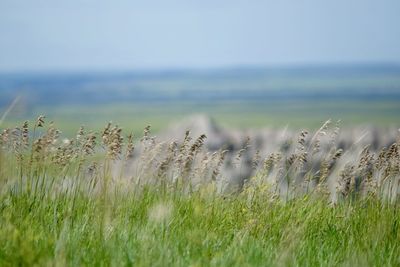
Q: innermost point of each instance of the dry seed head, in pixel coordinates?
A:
(65, 153)
(365, 157)
(337, 154)
(381, 160)
(172, 147)
(216, 170)
(269, 162)
(25, 134)
(40, 121)
(51, 136)
(80, 133)
(129, 147)
(198, 144)
(302, 158)
(346, 180)
(277, 157)
(106, 130)
(112, 141)
(194, 149)
(291, 159)
(316, 146)
(256, 160)
(4, 137)
(146, 133)
(90, 144)
(365, 171)
(106, 133)
(240, 154)
(162, 169)
(325, 126)
(38, 145)
(14, 136)
(164, 165)
(185, 142)
(393, 152)
(115, 140)
(201, 167)
(335, 133)
(302, 139)
(241, 151)
(324, 171)
(316, 140)
(182, 149)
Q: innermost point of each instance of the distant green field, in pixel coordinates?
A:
(251, 114)
(297, 97)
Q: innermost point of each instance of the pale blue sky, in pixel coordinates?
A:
(124, 35)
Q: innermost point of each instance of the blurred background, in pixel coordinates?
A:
(246, 64)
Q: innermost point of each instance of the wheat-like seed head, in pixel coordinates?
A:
(129, 147)
(40, 121)
(25, 134)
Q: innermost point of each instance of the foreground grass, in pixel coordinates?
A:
(64, 203)
(153, 229)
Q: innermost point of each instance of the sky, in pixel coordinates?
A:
(61, 35)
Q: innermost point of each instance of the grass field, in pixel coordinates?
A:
(153, 229)
(62, 204)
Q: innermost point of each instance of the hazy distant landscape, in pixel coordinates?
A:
(241, 97)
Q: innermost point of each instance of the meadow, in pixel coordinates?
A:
(76, 201)
(267, 183)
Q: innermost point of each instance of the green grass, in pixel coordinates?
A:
(201, 230)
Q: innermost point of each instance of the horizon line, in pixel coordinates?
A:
(228, 67)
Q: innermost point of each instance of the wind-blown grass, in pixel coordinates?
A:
(68, 202)
(197, 230)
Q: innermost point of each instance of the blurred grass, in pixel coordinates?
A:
(197, 230)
